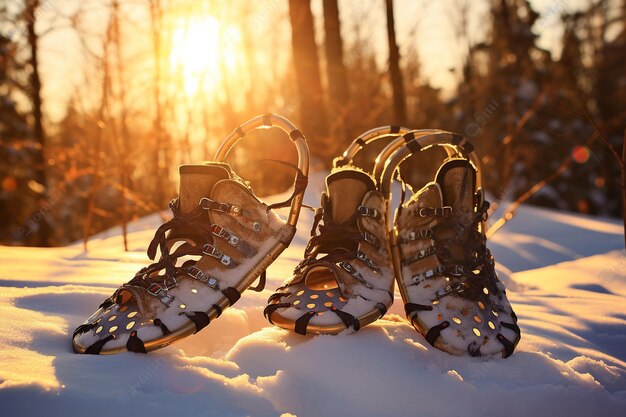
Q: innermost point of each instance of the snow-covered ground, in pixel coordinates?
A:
(566, 280)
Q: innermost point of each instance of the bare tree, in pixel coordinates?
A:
(30, 14)
(160, 173)
(99, 138)
(335, 68)
(399, 99)
(122, 138)
(312, 109)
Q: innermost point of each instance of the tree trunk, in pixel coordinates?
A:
(38, 129)
(399, 101)
(123, 139)
(336, 71)
(161, 175)
(99, 138)
(312, 109)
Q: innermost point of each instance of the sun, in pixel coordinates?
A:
(203, 53)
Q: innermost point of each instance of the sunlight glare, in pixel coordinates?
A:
(202, 51)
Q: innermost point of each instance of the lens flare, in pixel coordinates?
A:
(581, 154)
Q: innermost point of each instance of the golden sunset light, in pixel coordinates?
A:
(204, 53)
(312, 208)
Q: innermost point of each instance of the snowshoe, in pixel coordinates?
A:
(220, 240)
(346, 278)
(444, 269)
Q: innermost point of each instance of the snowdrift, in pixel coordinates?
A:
(565, 275)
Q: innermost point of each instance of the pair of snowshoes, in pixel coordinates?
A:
(222, 238)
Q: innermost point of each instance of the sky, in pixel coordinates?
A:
(428, 25)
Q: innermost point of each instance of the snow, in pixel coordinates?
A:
(566, 281)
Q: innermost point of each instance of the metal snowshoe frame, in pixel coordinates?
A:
(382, 132)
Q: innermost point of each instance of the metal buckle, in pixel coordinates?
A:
(455, 287)
(428, 274)
(431, 250)
(367, 211)
(195, 273)
(457, 271)
(218, 230)
(425, 233)
(170, 282)
(225, 234)
(421, 234)
(364, 258)
(445, 211)
(352, 271)
(154, 289)
(369, 238)
(214, 252)
(205, 203)
(161, 293)
(347, 267)
(256, 226)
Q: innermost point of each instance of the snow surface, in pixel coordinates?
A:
(566, 280)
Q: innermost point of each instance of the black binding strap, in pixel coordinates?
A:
(83, 328)
(435, 331)
(106, 304)
(295, 134)
(300, 183)
(218, 309)
(382, 308)
(97, 347)
(341, 161)
(240, 132)
(164, 329)
(199, 318)
(360, 142)
(511, 326)
(266, 119)
(232, 294)
(509, 347)
(348, 319)
(135, 344)
(271, 308)
(394, 129)
(410, 308)
(303, 322)
(414, 146)
(261, 285)
(474, 350)
(277, 296)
